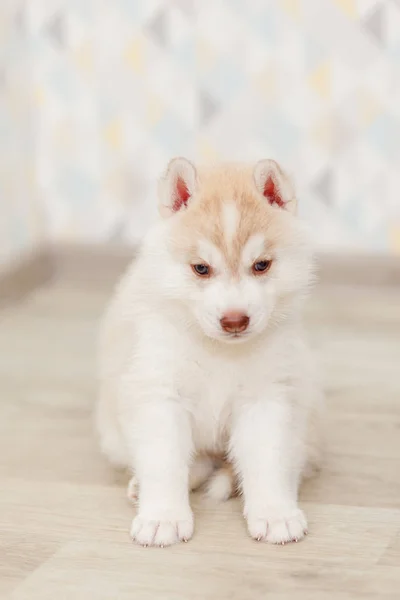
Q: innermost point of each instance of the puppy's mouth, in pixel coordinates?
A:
(236, 336)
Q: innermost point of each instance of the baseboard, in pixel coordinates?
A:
(24, 275)
(359, 269)
(102, 264)
(95, 263)
(105, 263)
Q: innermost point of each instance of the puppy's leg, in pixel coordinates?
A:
(200, 471)
(159, 440)
(267, 447)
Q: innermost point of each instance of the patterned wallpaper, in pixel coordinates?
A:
(117, 88)
(20, 219)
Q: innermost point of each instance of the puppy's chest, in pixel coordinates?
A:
(212, 389)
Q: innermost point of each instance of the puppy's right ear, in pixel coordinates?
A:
(177, 186)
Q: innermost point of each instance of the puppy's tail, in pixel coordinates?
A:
(222, 484)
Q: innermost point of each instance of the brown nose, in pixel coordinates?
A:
(234, 322)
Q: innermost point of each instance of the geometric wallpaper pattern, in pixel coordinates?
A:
(21, 222)
(118, 88)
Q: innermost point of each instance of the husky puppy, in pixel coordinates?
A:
(203, 359)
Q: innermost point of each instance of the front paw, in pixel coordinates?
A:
(278, 527)
(161, 531)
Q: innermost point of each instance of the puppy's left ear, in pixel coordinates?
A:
(275, 185)
(177, 187)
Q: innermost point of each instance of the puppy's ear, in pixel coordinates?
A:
(274, 185)
(177, 186)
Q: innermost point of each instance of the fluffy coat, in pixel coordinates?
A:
(203, 360)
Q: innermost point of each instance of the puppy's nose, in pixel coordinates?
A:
(234, 322)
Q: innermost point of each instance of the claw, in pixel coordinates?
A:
(296, 540)
(161, 545)
(283, 543)
(185, 540)
(258, 539)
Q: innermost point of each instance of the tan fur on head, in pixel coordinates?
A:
(224, 190)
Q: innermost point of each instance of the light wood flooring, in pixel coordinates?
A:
(64, 517)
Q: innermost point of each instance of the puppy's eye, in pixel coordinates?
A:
(202, 270)
(261, 266)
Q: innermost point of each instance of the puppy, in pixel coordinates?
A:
(202, 355)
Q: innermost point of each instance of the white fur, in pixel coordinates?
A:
(210, 254)
(220, 486)
(230, 221)
(201, 470)
(252, 249)
(173, 386)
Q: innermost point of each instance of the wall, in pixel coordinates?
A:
(120, 87)
(21, 227)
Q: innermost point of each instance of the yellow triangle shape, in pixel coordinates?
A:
(205, 55)
(394, 239)
(134, 55)
(292, 7)
(31, 179)
(206, 151)
(348, 7)
(84, 58)
(39, 95)
(114, 184)
(113, 134)
(154, 110)
(322, 133)
(320, 80)
(266, 83)
(62, 135)
(369, 108)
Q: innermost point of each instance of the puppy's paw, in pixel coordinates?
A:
(132, 491)
(278, 528)
(161, 532)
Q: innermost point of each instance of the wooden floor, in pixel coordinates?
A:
(64, 518)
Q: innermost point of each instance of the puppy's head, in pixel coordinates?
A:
(233, 250)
